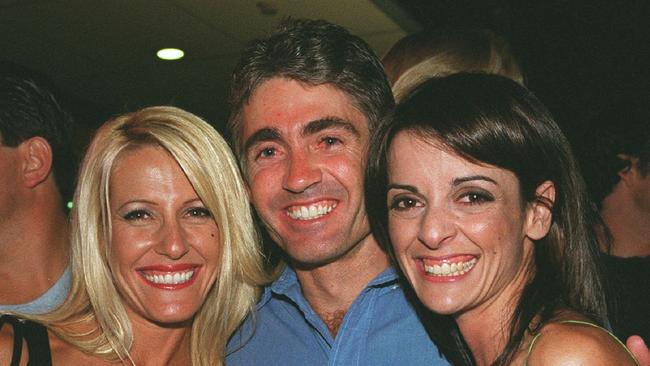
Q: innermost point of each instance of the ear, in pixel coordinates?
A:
(539, 216)
(36, 155)
(630, 170)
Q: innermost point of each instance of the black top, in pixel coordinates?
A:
(35, 335)
(629, 292)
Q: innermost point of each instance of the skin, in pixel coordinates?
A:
(9, 159)
(639, 349)
(446, 209)
(33, 225)
(626, 212)
(306, 146)
(159, 220)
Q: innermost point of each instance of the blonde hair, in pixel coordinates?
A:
(211, 168)
(418, 57)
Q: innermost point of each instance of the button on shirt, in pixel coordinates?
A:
(380, 328)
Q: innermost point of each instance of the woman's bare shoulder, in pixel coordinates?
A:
(577, 343)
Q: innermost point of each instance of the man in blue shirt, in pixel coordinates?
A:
(304, 101)
(37, 173)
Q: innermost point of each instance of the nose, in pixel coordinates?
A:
(437, 227)
(172, 242)
(301, 173)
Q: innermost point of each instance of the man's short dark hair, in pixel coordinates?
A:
(623, 128)
(28, 109)
(313, 52)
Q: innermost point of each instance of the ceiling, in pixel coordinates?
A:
(577, 55)
(101, 54)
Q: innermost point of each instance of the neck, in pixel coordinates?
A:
(486, 328)
(34, 247)
(156, 345)
(628, 223)
(330, 289)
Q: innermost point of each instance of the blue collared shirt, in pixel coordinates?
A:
(380, 328)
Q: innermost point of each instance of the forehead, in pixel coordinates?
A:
(133, 159)
(412, 155)
(286, 105)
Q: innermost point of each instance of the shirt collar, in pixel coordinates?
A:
(288, 283)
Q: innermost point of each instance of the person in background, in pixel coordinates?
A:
(165, 256)
(304, 100)
(37, 171)
(615, 157)
(485, 211)
(440, 52)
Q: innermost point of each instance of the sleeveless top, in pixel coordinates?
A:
(35, 335)
(534, 340)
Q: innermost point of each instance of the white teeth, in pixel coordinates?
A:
(310, 212)
(169, 279)
(446, 269)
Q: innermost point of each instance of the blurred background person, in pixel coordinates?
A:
(37, 171)
(615, 157)
(490, 223)
(440, 52)
(165, 257)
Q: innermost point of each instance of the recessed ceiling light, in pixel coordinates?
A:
(170, 54)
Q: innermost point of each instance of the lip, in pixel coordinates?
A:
(419, 261)
(333, 203)
(169, 269)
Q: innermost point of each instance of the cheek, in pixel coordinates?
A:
(262, 181)
(499, 235)
(208, 243)
(128, 244)
(402, 233)
(345, 167)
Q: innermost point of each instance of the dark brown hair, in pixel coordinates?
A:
(492, 120)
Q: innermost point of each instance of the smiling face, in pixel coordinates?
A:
(165, 245)
(459, 229)
(304, 148)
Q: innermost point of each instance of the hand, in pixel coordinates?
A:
(639, 350)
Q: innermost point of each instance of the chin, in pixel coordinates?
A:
(444, 304)
(173, 316)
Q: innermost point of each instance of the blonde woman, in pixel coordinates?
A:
(165, 256)
(426, 54)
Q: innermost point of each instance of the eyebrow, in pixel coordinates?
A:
(264, 134)
(322, 124)
(405, 187)
(461, 180)
(313, 127)
(455, 182)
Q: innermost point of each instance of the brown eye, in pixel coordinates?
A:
(331, 140)
(476, 198)
(199, 212)
(136, 215)
(404, 203)
(266, 152)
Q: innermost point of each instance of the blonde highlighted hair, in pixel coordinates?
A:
(211, 168)
(420, 56)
